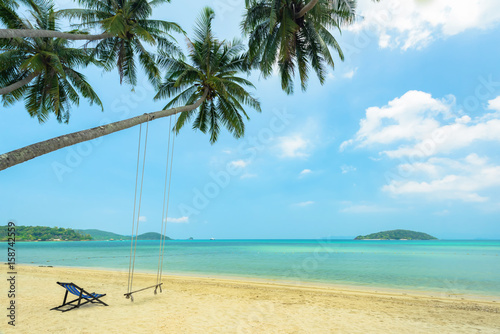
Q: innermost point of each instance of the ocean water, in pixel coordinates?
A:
(446, 267)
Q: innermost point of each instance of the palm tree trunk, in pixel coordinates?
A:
(38, 33)
(306, 8)
(35, 150)
(17, 85)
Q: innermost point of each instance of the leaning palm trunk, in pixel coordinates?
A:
(17, 85)
(39, 33)
(32, 151)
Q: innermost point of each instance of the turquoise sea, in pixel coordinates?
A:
(445, 267)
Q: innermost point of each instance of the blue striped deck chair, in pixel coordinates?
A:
(83, 297)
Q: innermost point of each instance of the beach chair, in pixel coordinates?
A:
(83, 297)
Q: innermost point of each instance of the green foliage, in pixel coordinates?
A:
(151, 236)
(51, 61)
(103, 235)
(212, 70)
(277, 36)
(128, 21)
(397, 235)
(43, 233)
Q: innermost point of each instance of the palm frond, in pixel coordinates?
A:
(211, 66)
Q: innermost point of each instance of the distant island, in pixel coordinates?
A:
(396, 235)
(99, 235)
(45, 233)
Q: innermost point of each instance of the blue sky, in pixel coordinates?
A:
(403, 134)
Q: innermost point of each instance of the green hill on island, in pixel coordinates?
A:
(396, 235)
(151, 236)
(44, 233)
(99, 235)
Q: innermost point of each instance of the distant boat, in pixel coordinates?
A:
(212, 238)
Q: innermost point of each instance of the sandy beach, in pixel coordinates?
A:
(215, 305)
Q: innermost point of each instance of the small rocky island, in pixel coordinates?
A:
(396, 235)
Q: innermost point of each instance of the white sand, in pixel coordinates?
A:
(205, 305)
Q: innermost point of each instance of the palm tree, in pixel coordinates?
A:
(125, 32)
(294, 35)
(208, 83)
(212, 68)
(48, 64)
(8, 14)
(131, 30)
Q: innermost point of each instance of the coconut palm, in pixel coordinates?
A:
(8, 15)
(294, 35)
(131, 31)
(42, 71)
(206, 89)
(213, 67)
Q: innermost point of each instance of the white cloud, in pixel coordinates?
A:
(422, 126)
(239, 163)
(180, 220)
(302, 204)
(414, 24)
(408, 117)
(422, 132)
(452, 137)
(443, 178)
(350, 74)
(295, 146)
(365, 208)
(305, 172)
(346, 169)
(494, 104)
(345, 144)
(143, 219)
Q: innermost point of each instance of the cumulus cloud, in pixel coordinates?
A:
(239, 163)
(408, 117)
(445, 178)
(295, 146)
(422, 132)
(180, 220)
(494, 104)
(414, 24)
(143, 219)
(421, 125)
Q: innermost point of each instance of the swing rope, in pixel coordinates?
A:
(136, 222)
(166, 200)
(135, 201)
(168, 175)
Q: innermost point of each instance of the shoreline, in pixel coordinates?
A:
(190, 304)
(379, 290)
